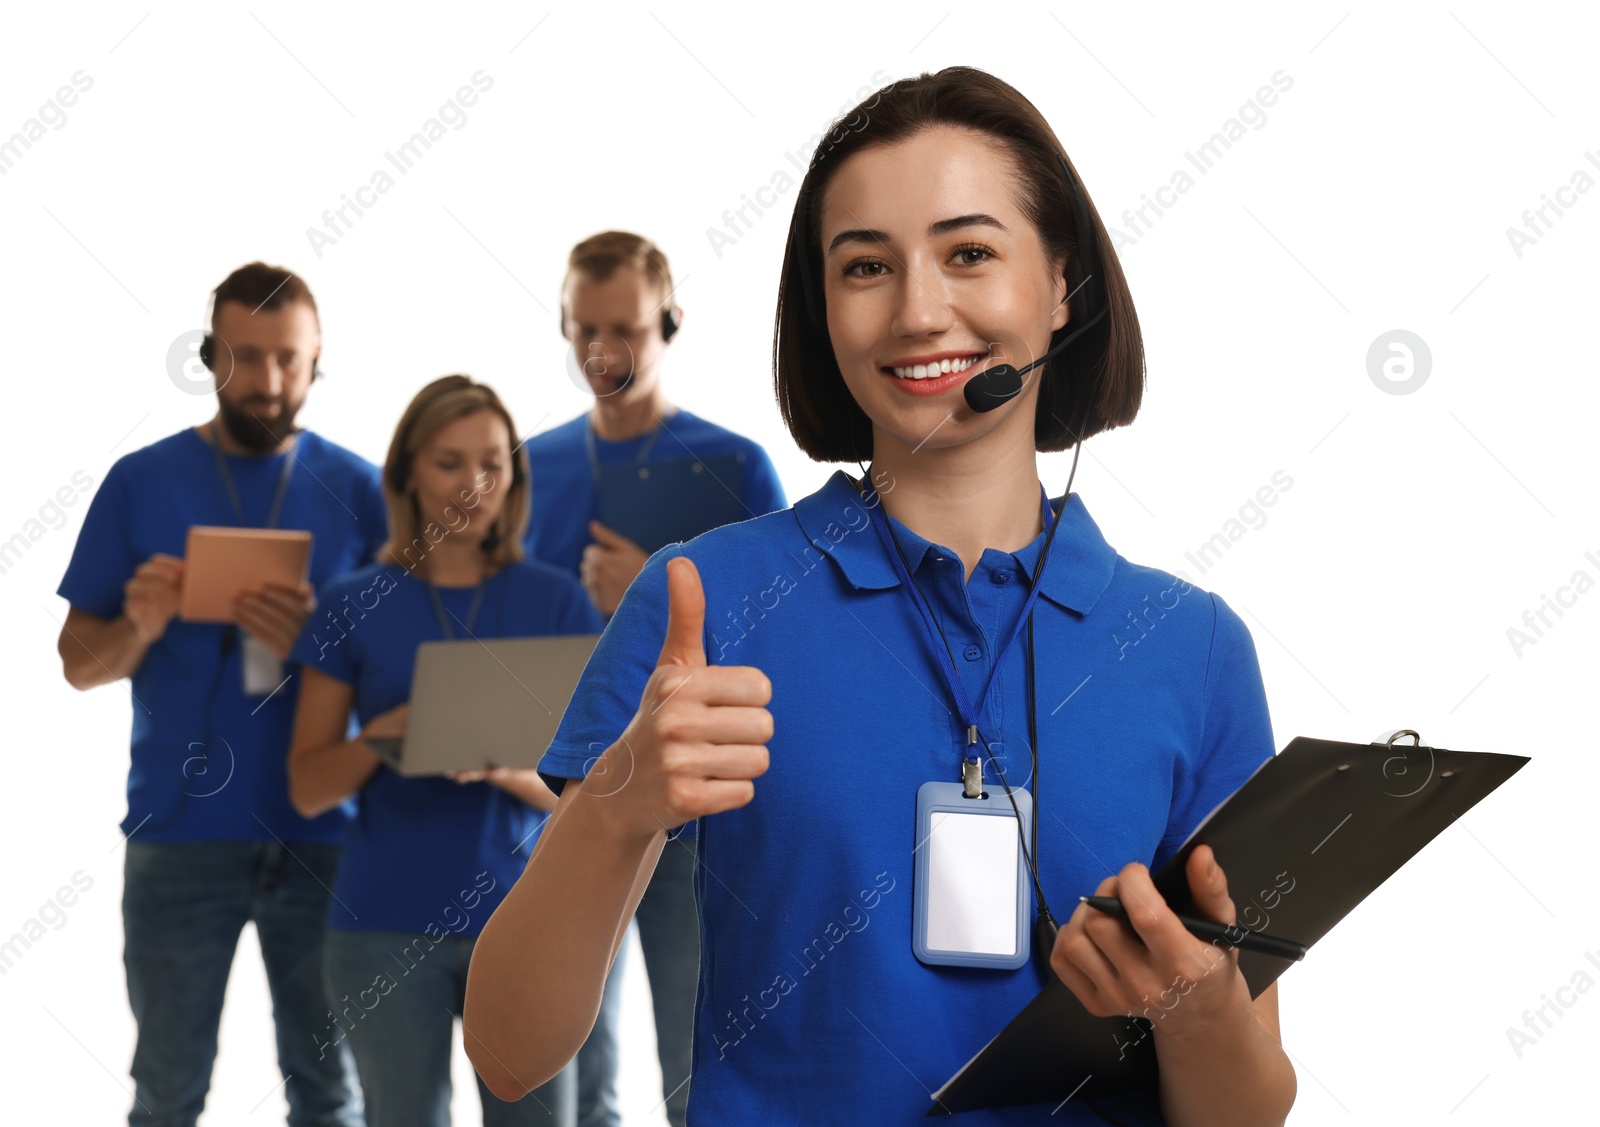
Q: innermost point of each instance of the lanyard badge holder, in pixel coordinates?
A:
(972, 868)
(970, 889)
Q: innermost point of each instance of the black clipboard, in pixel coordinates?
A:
(1338, 818)
(664, 501)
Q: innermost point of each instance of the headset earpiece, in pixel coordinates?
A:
(669, 324)
(1086, 263)
(208, 352)
(208, 343)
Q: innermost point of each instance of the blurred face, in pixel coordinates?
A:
(262, 366)
(462, 474)
(615, 328)
(931, 274)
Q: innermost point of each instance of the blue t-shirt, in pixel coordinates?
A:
(565, 499)
(811, 1003)
(429, 854)
(177, 791)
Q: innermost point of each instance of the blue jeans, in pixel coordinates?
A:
(392, 997)
(184, 904)
(669, 937)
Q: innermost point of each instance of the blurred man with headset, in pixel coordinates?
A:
(212, 840)
(610, 487)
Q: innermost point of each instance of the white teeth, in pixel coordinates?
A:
(929, 371)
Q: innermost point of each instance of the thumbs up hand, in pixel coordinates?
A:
(698, 739)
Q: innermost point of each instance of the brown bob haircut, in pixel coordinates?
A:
(1106, 362)
(410, 538)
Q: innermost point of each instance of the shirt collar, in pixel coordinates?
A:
(836, 520)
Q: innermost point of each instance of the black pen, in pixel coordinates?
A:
(1213, 932)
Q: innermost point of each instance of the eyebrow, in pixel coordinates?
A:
(941, 227)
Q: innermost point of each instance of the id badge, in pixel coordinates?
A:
(970, 892)
(263, 670)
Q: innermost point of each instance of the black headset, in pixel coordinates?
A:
(208, 343)
(669, 323)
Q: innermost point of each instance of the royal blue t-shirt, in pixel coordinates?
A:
(428, 854)
(812, 1007)
(565, 499)
(177, 791)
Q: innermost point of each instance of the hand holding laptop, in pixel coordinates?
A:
(389, 725)
(521, 783)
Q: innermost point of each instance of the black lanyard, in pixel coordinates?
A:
(444, 618)
(233, 492)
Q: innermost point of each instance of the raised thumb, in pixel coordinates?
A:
(686, 615)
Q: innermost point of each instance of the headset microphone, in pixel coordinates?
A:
(993, 386)
(1002, 383)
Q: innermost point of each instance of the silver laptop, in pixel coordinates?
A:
(488, 701)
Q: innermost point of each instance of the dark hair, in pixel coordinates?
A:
(816, 404)
(262, 287)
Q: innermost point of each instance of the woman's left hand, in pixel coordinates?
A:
(499, 776)
(1150, 965)
(521, 783)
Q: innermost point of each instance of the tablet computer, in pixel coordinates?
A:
(221, 563)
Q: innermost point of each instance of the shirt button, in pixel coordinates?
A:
(1001, 577)
(973, 652)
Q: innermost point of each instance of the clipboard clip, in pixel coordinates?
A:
(1416, 739)
(1401, 756)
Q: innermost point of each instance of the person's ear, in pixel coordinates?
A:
(1062, 311)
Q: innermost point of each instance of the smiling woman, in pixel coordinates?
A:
(419, 841)
(942, 237)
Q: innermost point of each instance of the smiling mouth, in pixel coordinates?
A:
(935, 370)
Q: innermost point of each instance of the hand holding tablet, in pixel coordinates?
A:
(220, 564)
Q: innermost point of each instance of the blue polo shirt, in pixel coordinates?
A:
(148, 500)
(428, 854)
(565, 499)
(812, 1006)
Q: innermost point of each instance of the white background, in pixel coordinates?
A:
(1376, 196)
